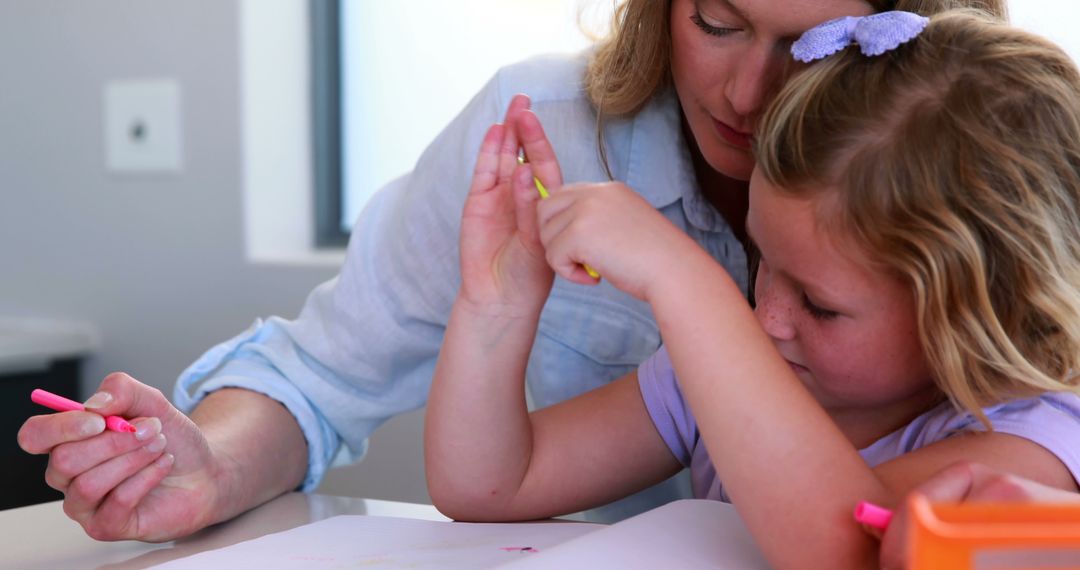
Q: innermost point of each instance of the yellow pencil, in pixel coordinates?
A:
(543, 196)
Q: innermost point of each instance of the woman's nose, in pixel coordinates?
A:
(755, 80)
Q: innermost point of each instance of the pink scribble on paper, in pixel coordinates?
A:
(519, 549)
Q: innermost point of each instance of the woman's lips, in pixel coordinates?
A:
(797, 367)
(733, 137)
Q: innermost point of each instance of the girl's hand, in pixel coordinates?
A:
(503, 270)
(966, 482)
(614, 230)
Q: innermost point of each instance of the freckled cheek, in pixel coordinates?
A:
(859, 367)
(835, 361)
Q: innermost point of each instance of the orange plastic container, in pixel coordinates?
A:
(948, 536)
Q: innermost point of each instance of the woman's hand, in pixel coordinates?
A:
(503, 269)
(155, 485)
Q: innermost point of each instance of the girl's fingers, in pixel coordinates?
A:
(525, 198)
(563, 247)
(538, 150)
(518, 103)
(555, 215)
(508, 152)
(486, 170)
(563, 235)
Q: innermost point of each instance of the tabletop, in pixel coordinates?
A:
(41, 537)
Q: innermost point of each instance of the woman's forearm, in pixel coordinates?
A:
(260, 448)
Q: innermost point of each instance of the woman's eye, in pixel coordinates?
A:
(709, 28)
(816, 311)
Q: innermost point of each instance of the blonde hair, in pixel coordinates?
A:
(633, 62)
(955, 162)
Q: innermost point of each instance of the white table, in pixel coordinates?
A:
(41, 537)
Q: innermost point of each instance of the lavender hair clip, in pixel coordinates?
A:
(875, 34)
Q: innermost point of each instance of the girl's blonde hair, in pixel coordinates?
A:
(954, 161)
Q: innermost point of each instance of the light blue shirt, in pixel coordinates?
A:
(364, 346)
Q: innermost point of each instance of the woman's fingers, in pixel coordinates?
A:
(122, 395)
(40, 434)
(68, 461)
(118, 506)
(87, 490)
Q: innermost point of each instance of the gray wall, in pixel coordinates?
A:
(155, 262)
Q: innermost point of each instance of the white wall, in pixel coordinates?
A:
(156, 263)
(1056, 20)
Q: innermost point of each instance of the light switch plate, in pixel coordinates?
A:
(143, 126)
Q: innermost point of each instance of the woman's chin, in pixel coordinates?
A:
(732, 162)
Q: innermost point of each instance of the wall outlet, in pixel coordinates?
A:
(142, 126)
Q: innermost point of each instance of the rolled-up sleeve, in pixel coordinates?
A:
(364, 346)
(262, 359)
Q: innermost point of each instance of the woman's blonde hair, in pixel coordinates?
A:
(633, 62)
(954, 161)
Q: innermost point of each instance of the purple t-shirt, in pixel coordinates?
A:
(1051, 420)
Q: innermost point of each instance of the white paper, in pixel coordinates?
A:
(361, 541)
(686, 534)
(683, 534)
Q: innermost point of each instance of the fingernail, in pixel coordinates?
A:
(164, 461)
(99, 400)
(146, 427)
(92, 426)
(156, 445)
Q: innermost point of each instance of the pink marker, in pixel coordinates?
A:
(62, 404)
(873, 515)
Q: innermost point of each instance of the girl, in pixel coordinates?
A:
(917, 302)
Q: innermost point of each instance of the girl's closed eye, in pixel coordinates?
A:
(713, 29)
(816, 311)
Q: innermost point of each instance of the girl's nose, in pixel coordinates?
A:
(774, 315)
